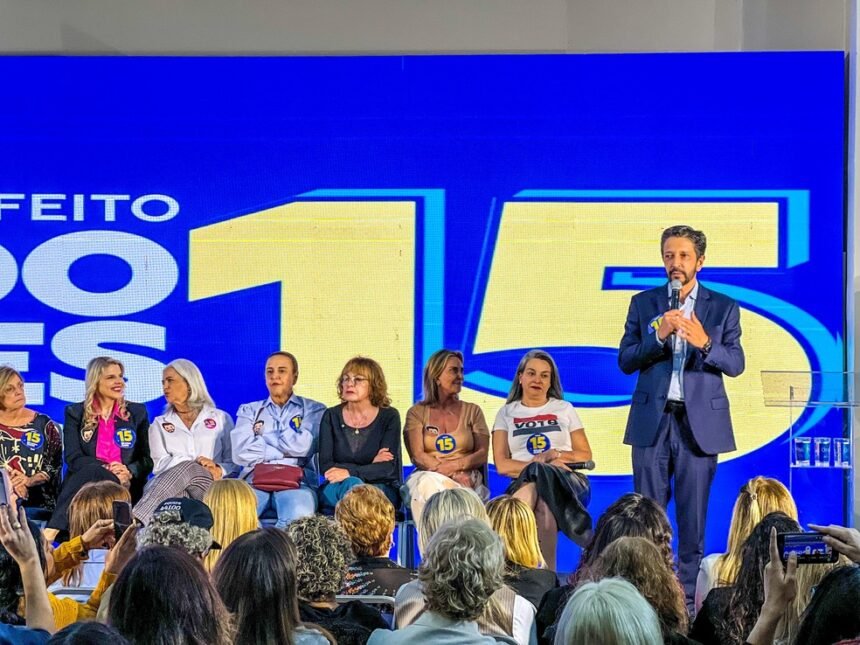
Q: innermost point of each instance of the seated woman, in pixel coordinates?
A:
(506, 615)
(256, 579)
(609, 611)
(638, 560)
(729, 614)
(189, 443)
(279, 431)
(234, 512)
(165, 596)
(105, 437)
(459, 574)
(367, 518)
(632, 515)
(31, 449)
(535, 435)
(360, 438)
(323, 555)
(757, 498)
(447, 439)
(514, 521)
(92, 505)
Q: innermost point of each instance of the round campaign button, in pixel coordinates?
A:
(296, 422)
(537, 443)
(124, 438)
(33, 439)
(445, 443)
(209, 423)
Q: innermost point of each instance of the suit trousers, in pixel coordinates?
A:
(676, 455)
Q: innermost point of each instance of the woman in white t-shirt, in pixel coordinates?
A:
(535, 435)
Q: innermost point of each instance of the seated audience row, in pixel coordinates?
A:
(298, 455)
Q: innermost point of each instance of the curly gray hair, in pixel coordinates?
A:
(168, 529)
(323, 555)
(463, 567)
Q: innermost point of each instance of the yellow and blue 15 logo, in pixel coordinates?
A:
(558, 272)
(124, 438)
(446, 444)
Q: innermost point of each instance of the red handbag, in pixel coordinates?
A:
(275, 477)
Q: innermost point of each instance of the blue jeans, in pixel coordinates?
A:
(331, 494)
(289, 504)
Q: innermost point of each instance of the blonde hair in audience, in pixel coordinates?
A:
(515, 523)
(757, 498)
(92, 402)
(446, 506)
(7, 373)
(609, 611)
(234, 513)
(367, 517)
(93, 502)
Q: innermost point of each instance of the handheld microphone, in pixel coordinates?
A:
(581, 465)
(675, 300)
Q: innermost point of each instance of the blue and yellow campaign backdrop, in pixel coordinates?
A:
(219, 208)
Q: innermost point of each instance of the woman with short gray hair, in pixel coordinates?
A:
(462, 569)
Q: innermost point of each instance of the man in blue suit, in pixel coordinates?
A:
(679, 414)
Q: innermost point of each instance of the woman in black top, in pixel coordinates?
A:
(359, 439)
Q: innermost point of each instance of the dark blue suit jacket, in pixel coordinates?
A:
(704, 393)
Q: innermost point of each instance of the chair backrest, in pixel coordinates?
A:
(366, 599)
(80, 594)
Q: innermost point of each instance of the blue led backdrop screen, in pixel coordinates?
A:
(218, 209)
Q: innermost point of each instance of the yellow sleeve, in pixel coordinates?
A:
(67, 556)
(68, 611)
(65, 611)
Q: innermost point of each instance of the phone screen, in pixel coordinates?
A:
(809, 547)
(121, 518)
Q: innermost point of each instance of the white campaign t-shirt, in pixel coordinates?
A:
(532, 431)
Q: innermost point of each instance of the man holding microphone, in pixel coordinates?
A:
(682, 338)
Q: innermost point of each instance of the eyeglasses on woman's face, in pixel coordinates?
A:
(348, 379)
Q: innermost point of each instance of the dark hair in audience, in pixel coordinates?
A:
(834, 612)
(11, 585)
(256, 577)
(748, 591)
(164, 597)
(88, 633)
(631, 515)
(639, 561)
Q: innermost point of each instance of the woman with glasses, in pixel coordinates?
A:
(360, 438)
(105, 437)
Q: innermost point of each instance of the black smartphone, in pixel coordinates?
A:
(6, 486)
(809, 547)
(121, 518)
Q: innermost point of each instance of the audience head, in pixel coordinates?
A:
(367, 517)
(832, 614)
(323, 556)
(104, 388)
(183, 385)
(639, 561)
(631, 515)
(757, 498)
(608, 611)
(748, 591)
(442, 364)
(93, 502)
(537, 361)
(11, 583)
(180, 522)
(371, 373)
(11, 389)
(446, 506)
(256, 577)
(88, 633)
(514, 521)
(163, 595)
(234, 512)
(462, 569)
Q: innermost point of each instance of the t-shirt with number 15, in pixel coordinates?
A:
(532, 431)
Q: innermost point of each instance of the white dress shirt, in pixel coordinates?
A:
(679, 346)
(171, 442)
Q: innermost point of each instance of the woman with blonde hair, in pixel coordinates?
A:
(506, 614)
(359, 439)
(447, 439)
(759, 497)
(525, 569)
(105, 437)
(190, 442)
(31, 451)
(234, 513)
